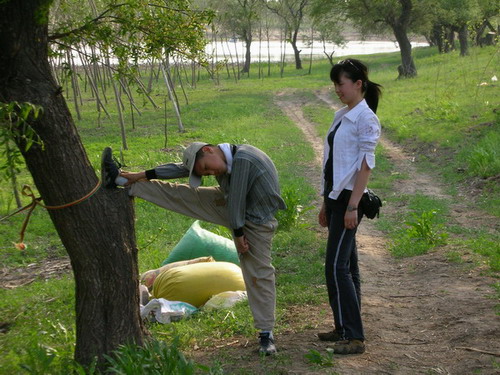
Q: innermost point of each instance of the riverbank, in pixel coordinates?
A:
(274, 50)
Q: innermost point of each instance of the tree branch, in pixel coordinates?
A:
(478, 350)
(94, 21)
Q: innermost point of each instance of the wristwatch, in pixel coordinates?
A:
(351, 208)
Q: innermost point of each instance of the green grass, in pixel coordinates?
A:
(484, 158)
(444, 108)
(39, 313)
(487, 246)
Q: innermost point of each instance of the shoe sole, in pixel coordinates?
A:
(330, 339)
(107, 153)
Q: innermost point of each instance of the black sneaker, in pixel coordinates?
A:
(110, 169)
(267, 346)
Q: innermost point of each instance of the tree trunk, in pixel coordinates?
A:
(437, 37)
(119, 105)
(98, 233)
(400, 28)
(172, 96)
(450, 40)
(13, 182)
(248, 44)
(312, 49)
(463, 38)
(407, 68)
(487, 39)
(296, 51)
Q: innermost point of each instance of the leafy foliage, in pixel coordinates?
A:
(130, 30)
(421, 234)
(422, 228)
(15, 127)
(289, 217)
(155, 357)
(323, 360)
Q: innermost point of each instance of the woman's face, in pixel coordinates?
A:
(348, 92)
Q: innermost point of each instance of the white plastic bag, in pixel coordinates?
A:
(225, 300)
(165, 311)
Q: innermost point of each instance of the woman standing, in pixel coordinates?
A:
(349, 157)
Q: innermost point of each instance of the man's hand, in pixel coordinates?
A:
(241, 244)
(133, 177)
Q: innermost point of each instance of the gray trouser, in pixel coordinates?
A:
(208, 204)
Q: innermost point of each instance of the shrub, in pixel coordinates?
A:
(484, 158)
(155, 357)
(421, 234)
(289, 217)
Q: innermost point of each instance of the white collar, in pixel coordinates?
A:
(226, 149)
(354, 112)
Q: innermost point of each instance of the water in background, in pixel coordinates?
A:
(234, 51)
(230, 49)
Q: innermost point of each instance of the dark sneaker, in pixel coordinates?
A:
(330, 336)
(110, 169)
(267, 346)
(349, 347)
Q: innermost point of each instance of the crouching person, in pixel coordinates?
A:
(246, 200)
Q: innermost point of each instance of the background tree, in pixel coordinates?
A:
(399, 16)
(98, 233)
(470, 20)
(328, 19)
(292, 13)
(239, 18)
(487, 29)
(441, 33)
(455, 16)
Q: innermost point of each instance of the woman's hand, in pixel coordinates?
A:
(351, 219)
(241, 244)
(322, 216)
(133, 177)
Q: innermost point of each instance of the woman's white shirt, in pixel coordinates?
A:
(355, 140)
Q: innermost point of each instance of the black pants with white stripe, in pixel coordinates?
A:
(342, 270)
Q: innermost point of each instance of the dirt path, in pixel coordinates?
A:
(422, 315)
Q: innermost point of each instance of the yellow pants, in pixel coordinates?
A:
(208, 204)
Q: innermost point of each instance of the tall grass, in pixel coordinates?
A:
(483, 158)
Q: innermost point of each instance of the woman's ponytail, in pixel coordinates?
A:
(373, 93)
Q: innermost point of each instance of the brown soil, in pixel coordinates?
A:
(49, 268)
(422, 315)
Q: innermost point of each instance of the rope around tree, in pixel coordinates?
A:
(28, 192)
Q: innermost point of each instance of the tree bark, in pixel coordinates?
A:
(296, 51)
(450, 40)
(463, 38)
(407, 68)
(437, 37)
(248, 56)
(98, 233)
(292, 14)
